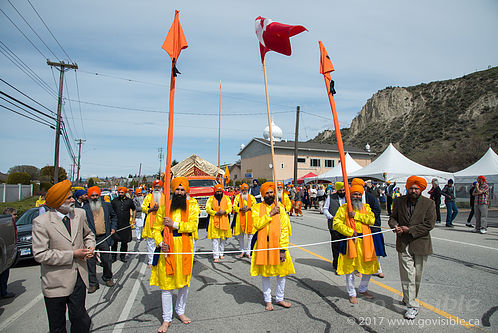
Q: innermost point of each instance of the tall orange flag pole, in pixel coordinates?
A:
(326, 68)
(219, 135)
(173, 44)
(269, 126)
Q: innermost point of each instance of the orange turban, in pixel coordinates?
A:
(57, 194)
(357, 188)
(138, 190)
(175, 182)
(218, 187)
(415, 180)
(280, 184)
(244, 186)
(266, 186)
(157, 182)
(92, 190)
(122, 189)
(358, 181)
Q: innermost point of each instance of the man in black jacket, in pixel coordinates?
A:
(332, 204)
(122, 205)
(103, 221)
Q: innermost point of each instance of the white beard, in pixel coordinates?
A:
(140, 200)
(280, 194)
(95, 205)
(157, 196)
(245, 196)
(67, 208)
(357, 204)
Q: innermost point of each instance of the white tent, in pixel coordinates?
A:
(335, 174)
(487, 166)
(394, 166)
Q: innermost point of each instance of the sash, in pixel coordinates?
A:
(243, 217)
(186, 247)
(268, 238)
(221, 222)
(368, 245)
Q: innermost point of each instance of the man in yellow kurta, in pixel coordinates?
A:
(173, 271)
(242, 206)
(151, 204)
(359, 254)
(218, 207)
(272, 257)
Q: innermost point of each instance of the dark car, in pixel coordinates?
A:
(24, 238)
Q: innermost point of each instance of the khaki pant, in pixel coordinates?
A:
(411, 268)
(481, 212)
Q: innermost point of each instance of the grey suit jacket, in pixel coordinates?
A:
(53, 248)
(420, 224)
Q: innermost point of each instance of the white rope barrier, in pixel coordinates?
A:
(255, 250)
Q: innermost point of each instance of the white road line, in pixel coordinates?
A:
(469, 244)
(129, 303)
(19, 313)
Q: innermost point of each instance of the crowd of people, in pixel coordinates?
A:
(79, 230)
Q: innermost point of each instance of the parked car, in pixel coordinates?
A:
(24, 237)
(7, 242)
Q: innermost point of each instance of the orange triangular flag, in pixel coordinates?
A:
(175, 40)
(325, 62)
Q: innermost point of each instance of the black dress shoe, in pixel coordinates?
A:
(8, 295)
(123, 259)
(93, 289)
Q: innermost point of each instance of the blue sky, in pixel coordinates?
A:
(372, 45)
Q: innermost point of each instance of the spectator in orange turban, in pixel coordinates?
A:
(92, 190)
(138, 191)
(180, 181)
(157, 182)
(415, 180)
(122, 189)
(57, 194)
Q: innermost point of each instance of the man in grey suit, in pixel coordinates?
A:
(332, 204)
(413, 217)
(62, 241)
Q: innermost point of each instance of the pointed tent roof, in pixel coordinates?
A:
(486, 166)
(195, 166)
(300, 180)
(336, 172)
(397, 167)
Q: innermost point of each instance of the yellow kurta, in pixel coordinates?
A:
(237, 229)
(214, 232)
(147, 230)
(158, 276)
(347, 265)
(195, 234)
(287, 203)
(283, 268)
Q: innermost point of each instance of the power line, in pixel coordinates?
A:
(9, 54)
(67, 55)
(27, 111)
(26, 105)
(79, 102)
(29, 40)
(23, 115)
(27, 96)
(29, 25)
(71, 111)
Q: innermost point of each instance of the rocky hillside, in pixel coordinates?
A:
(446, 125)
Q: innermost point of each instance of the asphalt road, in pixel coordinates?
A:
(458, 290)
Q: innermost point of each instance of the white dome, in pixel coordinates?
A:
(276, 132)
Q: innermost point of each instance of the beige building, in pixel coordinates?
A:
(255, 158)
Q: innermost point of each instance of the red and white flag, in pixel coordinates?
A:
(274, 36)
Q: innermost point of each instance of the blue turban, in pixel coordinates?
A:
(79, 193)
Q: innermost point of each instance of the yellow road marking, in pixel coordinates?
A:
(397, 292)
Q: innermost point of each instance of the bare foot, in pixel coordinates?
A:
(216, 260)
(381, 275)
(240, 255)
(353, 300)
(164, 327)
(150, 266)
(184, 319)
(367, 295)
(356, 273)
(268, 306)
(248, 255)
(222, 257)
(284, 304)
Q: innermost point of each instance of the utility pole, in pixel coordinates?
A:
(160, 155)
(296, 137)
(62, 66)
(80, 142)
(139, 172)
